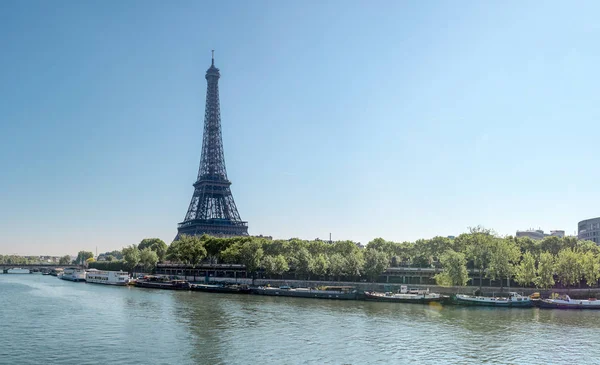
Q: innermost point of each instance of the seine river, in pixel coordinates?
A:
(44, 320)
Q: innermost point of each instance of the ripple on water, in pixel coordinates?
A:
(45, 320)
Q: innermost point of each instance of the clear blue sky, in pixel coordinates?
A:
(397, 119)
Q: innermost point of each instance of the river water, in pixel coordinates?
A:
(44, 320)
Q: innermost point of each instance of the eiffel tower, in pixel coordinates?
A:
(212, 210)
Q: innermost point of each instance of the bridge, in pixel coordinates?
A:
(35, 267)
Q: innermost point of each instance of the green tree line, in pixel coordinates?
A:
(480, 253)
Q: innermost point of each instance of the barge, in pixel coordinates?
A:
(328, 292)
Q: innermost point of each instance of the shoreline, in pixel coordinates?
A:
(576, 293)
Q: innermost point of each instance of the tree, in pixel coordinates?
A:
(82, 256)
(131, 255)
(148, 259)
(455, 269)
(268, 264)
(274, 265)
(585, 246)
(116, 254)
(590, 268)
(188, 250)
(344, 248)
(526, 244)
(375, 262)
(231, 254)
(174, 252)
(337, 265)
(504, 254)
(303, 262)
(526, 271)
(545, 278)
(155, 244)
(355, 263)
(552, 244)
(65, 260)
(478, 246)
(387, 247)
(215, 246)
(436, 247)
(250, 255)
(280, 265)
(421, 254)
(321, 265)
(568, 267)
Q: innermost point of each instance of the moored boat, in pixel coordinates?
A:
(107, 277)
(513, 300)
(565, 302)
(18, 270)
(328, 292)
(404, 295)
(73, 274)
(156, 282)
(221, 288)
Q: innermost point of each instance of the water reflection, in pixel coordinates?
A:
(132, 325)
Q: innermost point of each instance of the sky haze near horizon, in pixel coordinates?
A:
(401, 120)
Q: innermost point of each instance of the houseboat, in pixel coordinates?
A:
(565, 302)
(405, 295)
(327, 292)
(513, 300)
(107, 277)
(73, 274)
(221, 288)
(158, 282)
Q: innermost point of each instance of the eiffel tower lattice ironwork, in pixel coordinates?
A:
(212, 210)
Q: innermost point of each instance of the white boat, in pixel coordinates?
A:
(405, 295)
(513, 300)
(565, 302)
(73, 274)
(107, 277)
(17, 270)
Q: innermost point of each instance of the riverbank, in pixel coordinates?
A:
(363, 286)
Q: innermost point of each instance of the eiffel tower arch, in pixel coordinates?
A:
(212, 210)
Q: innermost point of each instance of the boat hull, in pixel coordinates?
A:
(220, 289)
(164, 286)
(489, 302)
(74, 279)
(574, 304)
(416, 300)
(318, 294)
(105, 283)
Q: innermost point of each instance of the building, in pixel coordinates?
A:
(538, 234)
(212, 210)
(589, 229)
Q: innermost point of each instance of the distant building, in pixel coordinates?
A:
(589, 229)
(538, 234)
